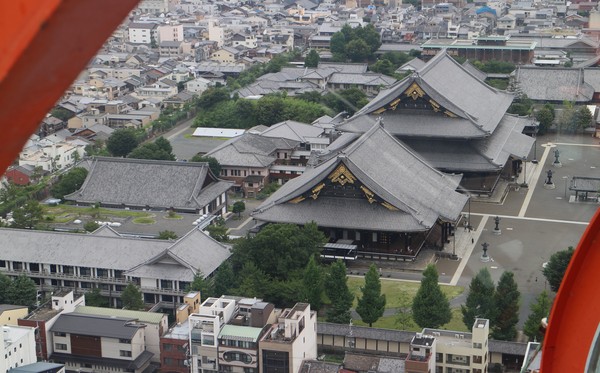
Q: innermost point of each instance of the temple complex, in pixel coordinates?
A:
(454, 121)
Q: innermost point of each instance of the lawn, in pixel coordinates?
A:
(144, 220)
(68, 213)
(392, 290)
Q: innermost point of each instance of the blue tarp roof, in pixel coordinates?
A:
(485, 9)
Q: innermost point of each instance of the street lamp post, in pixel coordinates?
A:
(566, 178)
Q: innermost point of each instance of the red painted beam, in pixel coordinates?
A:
(575, 315)
(45, 45)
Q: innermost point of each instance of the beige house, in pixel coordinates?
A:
(226, 54)
(9, 314)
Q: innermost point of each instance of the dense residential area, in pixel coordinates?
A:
(306, 186)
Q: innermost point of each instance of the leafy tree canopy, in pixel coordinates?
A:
(557, 266)
(22, 291)
(336, 288)
(506, 300)
(312, 282)
(95, 299)
(214, 165)
(28, 216)
(151, 151)
(480, 301)
(312, 59)
(122, 142)
(539, 310)
(131, 298)
(69, 182)
(167, 235)
(239, 207)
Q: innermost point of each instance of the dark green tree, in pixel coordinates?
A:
(225, 280)
(336, 288)
(253, 281)
(91, 226)
(69, 182)
(95, 299)
(312, 282)
(202, 284)
(279, 249)
(28, 216)
(404, 317)
(358, 50)
(539, 310)
(239, 207)
(164, 144)
(480, 301)
(338, 44)
(545, 116)
(506, 300)
(122, 142)
(131, 298)
(151, 151)
(557, 266)
(167, 235)
(4, 285)
(383, 66)
(211, 97)
(582, 119)
(22, 291)
(565, 119)
(218, 231)
(431, 308)
(214, 165)
(372, 303)
(312, 59)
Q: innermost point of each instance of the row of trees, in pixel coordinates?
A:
(128, 143)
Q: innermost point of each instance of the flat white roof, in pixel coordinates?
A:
(217, 132)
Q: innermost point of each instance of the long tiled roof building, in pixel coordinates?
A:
(454, 121)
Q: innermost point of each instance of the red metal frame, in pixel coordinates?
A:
(576, 311)
(44, 46)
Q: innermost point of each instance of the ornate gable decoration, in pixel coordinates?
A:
(342, 183)
(415, 98)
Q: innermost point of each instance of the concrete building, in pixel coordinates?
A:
(289, 341)
(142, 33)
(17, 347)
(170, 32)
(86, 343)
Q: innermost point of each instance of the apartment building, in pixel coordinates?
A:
(88, 343)
(288, 342)
(9, 314)
(17, 347)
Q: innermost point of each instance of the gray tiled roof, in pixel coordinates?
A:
(194, 251)
(554, 84)
(506, 347)
(293, 130)
(206, 257)
(474, 71)
(370, 79)
(364, 332)
(136, 182)
(250, 150)
(111, 327)
(421, 195)
(455, 89)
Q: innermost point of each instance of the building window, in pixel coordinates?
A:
(477, 359)
(17, 266)
(60, 334)
(167, 347)
(125, 353)
(125, 341)
(3, 263)
(60, 346)
(477, 345)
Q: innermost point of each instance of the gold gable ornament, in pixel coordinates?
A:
(297, 199)
(342, 176)
(389, 206)
(316, 190)
(414, 91)
(370, 195)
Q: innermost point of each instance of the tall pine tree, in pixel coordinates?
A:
(372, 303)
(480, 301)
(132, 298)
(431, 308)
(313, 284)
(539, 310)
(336, 287)
(506, 300)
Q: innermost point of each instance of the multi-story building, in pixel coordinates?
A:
(57, 260)
(143, 33)
(172, 32)
(456, 352)
(155, 324)
(10, 314)
(17, 347)
(289, 341)
(87, 343)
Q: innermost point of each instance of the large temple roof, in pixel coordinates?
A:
(442, 99)
(481, 155)
(375, 183)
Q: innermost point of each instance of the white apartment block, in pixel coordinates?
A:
(289, 341)
(142, 33)
(222, 35)
(51, 157)
(17, 347)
